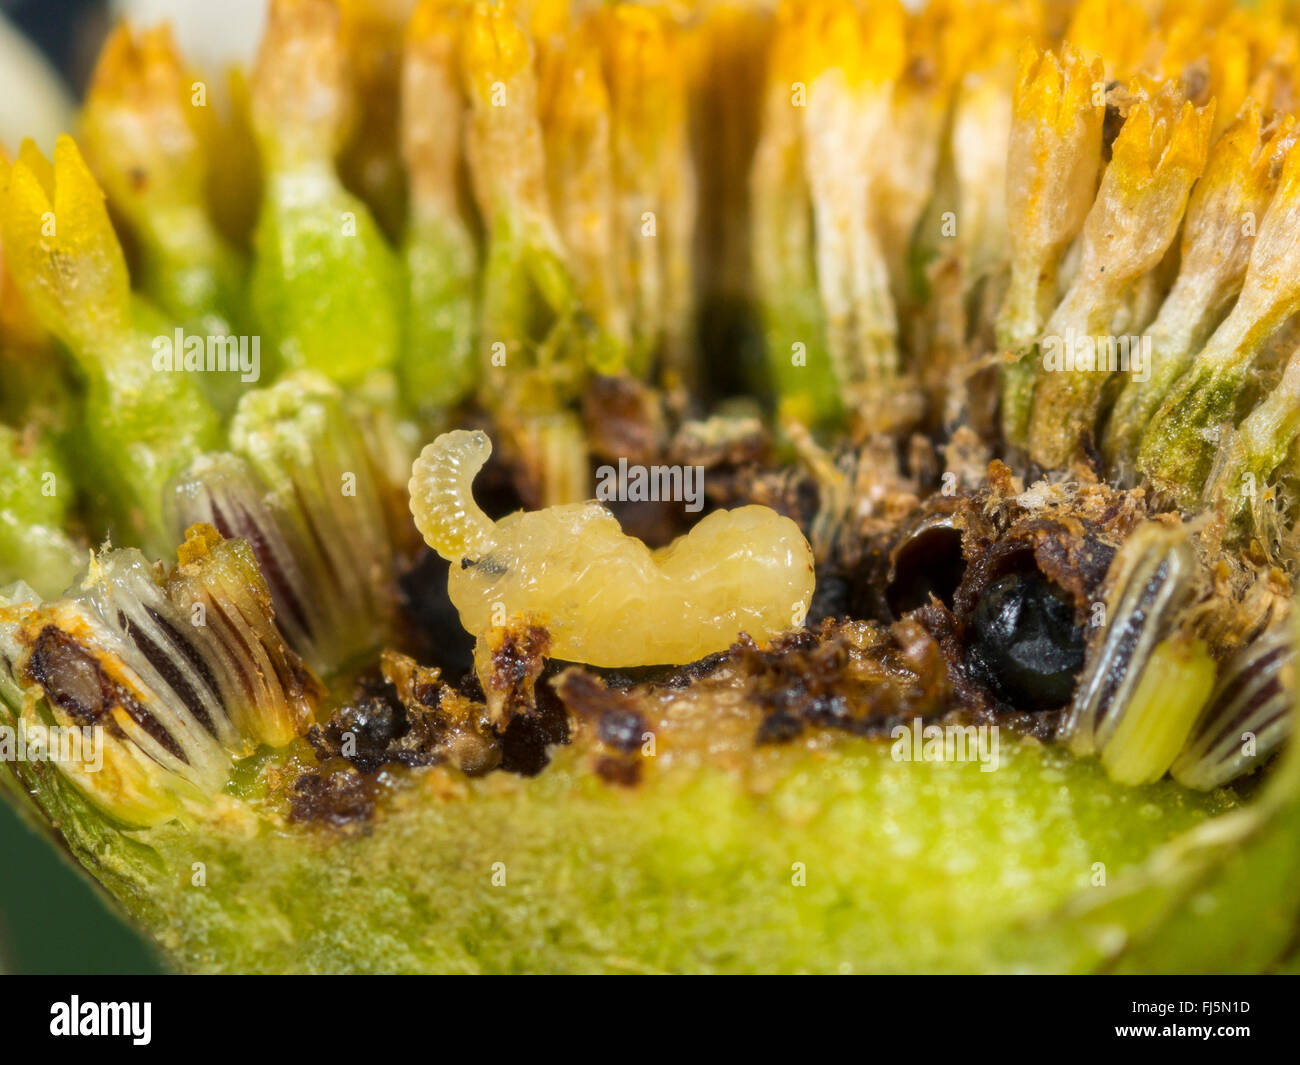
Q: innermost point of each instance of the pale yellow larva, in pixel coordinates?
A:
(604, 597)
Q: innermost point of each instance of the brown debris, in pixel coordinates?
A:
(526, 742)
(615, 723)
(857, 677)
(410, 718)
(736, 454)
(620, 772)
(509, 660)
(624, 419)
(721, 441)
(1244, 595)
(342, 798)
(1067, 531)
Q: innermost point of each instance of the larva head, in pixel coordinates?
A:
(442, 498)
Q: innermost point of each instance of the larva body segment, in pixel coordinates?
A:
(604, 597)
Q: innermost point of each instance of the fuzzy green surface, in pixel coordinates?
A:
(907, 866)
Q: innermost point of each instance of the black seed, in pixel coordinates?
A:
(1026, 645)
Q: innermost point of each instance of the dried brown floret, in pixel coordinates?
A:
(341, 798)
(857, 677)
(611, 720)
(408, 718)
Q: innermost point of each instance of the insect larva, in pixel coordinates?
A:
(1252, 700)
(605, 597)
